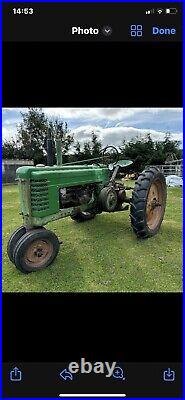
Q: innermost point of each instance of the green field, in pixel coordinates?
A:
(102, 255)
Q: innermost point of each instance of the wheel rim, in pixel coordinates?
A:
(154, 205)
(38, 253)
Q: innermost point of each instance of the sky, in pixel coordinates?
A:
(112, 125)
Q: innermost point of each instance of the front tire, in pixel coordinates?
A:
(35, 250)
(147, 206)
(15, 236)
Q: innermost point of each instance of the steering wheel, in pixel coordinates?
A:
(110, 155)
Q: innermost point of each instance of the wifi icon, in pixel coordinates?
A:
(159, 11)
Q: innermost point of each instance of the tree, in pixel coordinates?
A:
(95, 146)
(59, 129)
(90, 149)
(78, 152)
(171, 146)
(147, 152)
(9, 149)
(77, 147)
(139, 151)
(87, 151)
(32, 134)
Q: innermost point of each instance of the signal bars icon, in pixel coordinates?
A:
(150, 11)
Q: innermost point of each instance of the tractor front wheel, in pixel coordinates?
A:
(147, 206)
(15, 236)
(35, 250)
(82, 216)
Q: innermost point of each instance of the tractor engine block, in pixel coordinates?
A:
(75, 195)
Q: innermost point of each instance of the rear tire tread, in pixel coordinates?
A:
(138, 204)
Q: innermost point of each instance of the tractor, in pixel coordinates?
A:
(80, 190)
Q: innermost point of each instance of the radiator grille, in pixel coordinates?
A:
(39, 195)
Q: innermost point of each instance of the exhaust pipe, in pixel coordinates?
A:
(49, 150)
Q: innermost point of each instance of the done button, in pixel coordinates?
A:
(163, 31)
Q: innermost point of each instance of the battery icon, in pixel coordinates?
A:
(171, 10)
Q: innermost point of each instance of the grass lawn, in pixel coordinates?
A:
(102, 255)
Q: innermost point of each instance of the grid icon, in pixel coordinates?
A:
(136, 30)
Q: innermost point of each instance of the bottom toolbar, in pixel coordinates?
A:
(84, 378)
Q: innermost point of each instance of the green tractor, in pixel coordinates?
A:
(80, 190)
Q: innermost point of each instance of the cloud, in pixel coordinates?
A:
(111, 114)
(111, 124)
(90, 113)
(115, 135)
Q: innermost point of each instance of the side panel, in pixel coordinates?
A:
(44, 185)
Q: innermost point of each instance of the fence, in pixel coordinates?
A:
(171, 169)
(10, 167)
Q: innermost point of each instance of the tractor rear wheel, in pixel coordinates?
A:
(15, 236)
(82, 216)
(147, 206)
(35, 250)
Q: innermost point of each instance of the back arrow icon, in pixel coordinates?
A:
(65, 374)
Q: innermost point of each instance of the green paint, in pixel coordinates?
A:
(124, 163)
(39, 189)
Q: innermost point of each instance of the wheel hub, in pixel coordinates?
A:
(38, 252)
(154, 205)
